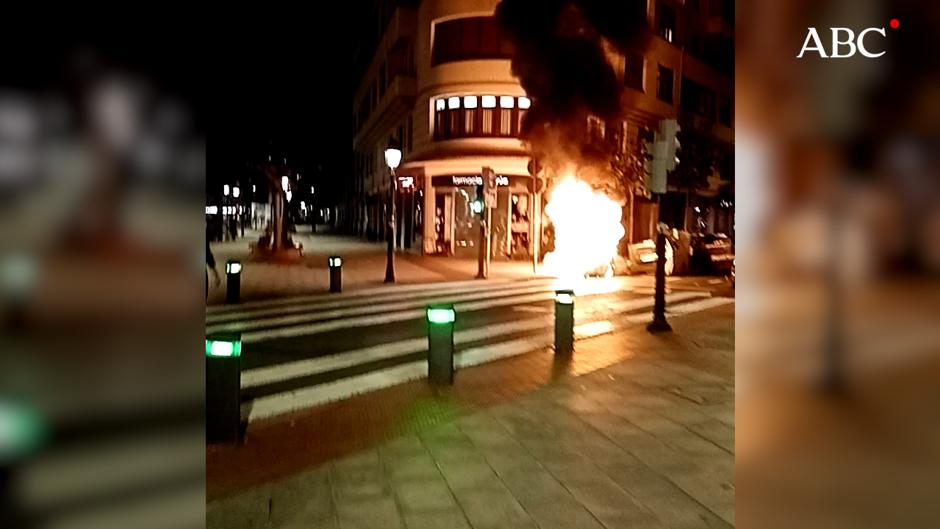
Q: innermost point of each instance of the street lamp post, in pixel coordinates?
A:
(224, 214)
(236, 194)
(392, 159)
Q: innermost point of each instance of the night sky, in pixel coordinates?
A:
(284, 82)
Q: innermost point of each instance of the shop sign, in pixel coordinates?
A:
(475, 180)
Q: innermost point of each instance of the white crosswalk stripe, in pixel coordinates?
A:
(300, 368)
(260, 323)
(286, 386)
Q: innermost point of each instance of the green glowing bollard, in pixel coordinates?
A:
(441, 344)
(564, 321)
(223, 381)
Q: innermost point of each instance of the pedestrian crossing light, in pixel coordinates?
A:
(441, 316)
(336, 262)
(223, 347)
(233, 267)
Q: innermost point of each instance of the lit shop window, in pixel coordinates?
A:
(472, 116)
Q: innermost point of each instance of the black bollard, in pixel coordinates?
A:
(659, 323)
(564, 321)
(441, 344)
(336, 274)
(223, 386)
(233, 281)
(23, 432)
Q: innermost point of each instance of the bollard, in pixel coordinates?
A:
(23, 433)
(223, 385)
(564, 321)
(336, 274)
(233, 281)
(441, 344)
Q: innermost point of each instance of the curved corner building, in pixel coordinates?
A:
(440, 86)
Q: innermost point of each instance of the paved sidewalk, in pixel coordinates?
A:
(363, 266)
(637, 431)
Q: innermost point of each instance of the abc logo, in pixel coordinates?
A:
(844, 43)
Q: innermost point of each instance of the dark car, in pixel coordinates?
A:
(712, 254)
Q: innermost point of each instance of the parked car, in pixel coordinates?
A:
(712, 254)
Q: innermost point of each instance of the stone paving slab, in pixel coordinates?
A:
(616, 447)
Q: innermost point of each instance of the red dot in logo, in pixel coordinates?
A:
(895, 23)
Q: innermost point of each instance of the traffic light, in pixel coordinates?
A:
(662, 155)
(476, 205)
(656, 173)
(669, 129)
(489, 187)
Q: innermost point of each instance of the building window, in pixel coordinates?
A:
(697, 99)
(724, 111)
(633, 71)
(469, 121)
(465, 39)
(478, 116)
(401, 59)
(667, 22)
(664, 86)
(505, 122)
(487, 128)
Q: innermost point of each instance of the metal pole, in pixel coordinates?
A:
(390, 235)
(489, 238)
(659, 323)
(536, 231)
(834, 379)
(481, 254)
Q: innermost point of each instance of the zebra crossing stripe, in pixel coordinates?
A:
(307, 397)
(311, 317)
(312, 366)
(417, 289)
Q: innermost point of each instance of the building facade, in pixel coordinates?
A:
(440, 86)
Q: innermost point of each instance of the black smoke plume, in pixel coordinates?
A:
(563, 59)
